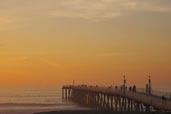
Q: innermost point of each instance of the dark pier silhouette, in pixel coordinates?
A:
(118, 99)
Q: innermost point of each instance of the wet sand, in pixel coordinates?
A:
(23, 111)
(91, 112)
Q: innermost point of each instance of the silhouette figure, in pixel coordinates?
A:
(134, 88)
(163, 98)
(130, 88)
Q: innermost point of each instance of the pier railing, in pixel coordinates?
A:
(160, 94)
(156, 93)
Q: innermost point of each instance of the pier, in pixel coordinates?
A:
(119, 99)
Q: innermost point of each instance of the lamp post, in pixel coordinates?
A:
(149, 85)
(124, 83)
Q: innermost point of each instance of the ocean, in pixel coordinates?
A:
(30, 100)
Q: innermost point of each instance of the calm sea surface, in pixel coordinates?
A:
(33, 100)
(28, 101)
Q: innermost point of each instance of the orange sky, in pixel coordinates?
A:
(51, 43)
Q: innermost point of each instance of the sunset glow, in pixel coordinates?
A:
(49, 43)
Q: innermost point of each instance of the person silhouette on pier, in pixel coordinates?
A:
(130, 88)
(163, 98)
(134, 88)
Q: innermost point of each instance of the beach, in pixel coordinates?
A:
(90, 112)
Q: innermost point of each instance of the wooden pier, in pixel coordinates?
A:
(114, 99)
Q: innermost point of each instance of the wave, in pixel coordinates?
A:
(31, 104)
(29, 96)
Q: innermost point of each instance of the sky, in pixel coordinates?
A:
(48, 43)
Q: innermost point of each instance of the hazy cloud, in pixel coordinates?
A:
(5, 22)
(111, 54)
(88, 9)
(84, 9)
(106, 9)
